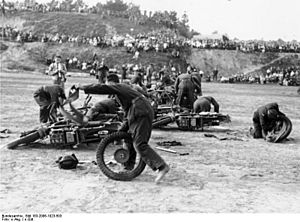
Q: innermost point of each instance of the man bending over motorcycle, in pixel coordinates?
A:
(49, 98)
(106, 106)
(203, 104)
(139, 116)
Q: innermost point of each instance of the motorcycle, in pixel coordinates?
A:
(70, 130)
(186, 119)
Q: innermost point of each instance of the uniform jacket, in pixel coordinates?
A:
(134, 103)
(188, 78)
(261, 115)
(55, 67)
(204, 104)
(50, 94)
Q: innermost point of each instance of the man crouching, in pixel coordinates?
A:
(264, 120)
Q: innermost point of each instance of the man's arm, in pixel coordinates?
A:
(176, 85)
(263, 123)
(196, 83)
(98, 89)
(215, 104)
(140, 90)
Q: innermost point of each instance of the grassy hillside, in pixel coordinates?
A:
(72, 23)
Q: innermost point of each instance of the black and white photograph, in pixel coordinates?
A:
(149, 107)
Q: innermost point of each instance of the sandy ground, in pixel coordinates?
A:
(243, 175)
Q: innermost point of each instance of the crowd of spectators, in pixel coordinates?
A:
(163, 40)
(157, 40)
(160, 40)
(247, 46)
(289, 76)
(14, 34)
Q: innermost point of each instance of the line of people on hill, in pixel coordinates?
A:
(246, 46)
(289, 76)
(164, 40)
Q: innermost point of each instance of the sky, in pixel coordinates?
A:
(243, 19)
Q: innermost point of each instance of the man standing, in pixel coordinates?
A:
(139, 115)
(102, 72)
(58, 71)
(264, 120)
(124, 73)
(215, 74)
(49, 98)
(203, 104)
(185, 87)
(199, 77)
(149, 72)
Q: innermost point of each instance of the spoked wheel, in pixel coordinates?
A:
(116, 159)
(163, 121)
(24, 140)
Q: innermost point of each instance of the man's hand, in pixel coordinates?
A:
(264, 134)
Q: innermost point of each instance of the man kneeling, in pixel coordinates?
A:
(264, 120)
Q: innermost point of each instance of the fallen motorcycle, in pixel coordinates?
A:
(187, 120)
(65, 133)
(112, 152)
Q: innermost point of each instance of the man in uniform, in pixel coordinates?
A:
(197, 74)
(215, 74)
(58, 71)
(185, 87)
(102, 72)
(136, 83)
(49, 98)
(203, 104)
(139, 116)
(149, 72)
(124, 72)
(264, 120)
(106, 106)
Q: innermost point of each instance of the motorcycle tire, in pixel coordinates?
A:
(101, 162)
(162, 121)
(285, 130)
(24, 140)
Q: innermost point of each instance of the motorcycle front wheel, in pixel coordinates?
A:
(23, 140)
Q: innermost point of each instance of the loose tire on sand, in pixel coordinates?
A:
(115, 141)
(285, 130)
